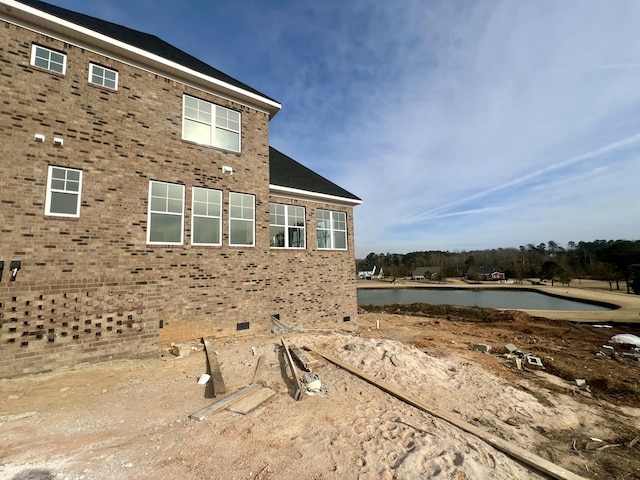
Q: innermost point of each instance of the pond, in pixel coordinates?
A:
(470, 297)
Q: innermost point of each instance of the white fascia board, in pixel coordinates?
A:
(269, 105)
(296, 193)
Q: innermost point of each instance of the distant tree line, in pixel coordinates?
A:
(613, 261)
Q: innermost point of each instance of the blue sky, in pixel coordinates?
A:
(461, 124)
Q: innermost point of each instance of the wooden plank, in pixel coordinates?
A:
(301, 357)
(257, 371)
(214, 368)
(255, 399)
(225, 402)
(514, 451)
(298, 393)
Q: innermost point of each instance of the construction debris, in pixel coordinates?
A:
(298, 389)
(251, 401)
(225, 402)
(519, 359)
(301, 358)
(213, 368)
(481, 347)
(313, 385)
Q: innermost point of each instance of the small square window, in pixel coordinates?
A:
(64, 188)
(48, 59)
(103, 76)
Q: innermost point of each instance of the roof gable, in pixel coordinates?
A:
(285, 172)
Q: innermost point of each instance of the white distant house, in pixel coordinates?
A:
(370, 274)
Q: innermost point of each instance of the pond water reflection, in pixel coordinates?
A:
(469, 297)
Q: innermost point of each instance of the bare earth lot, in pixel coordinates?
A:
(130, 419)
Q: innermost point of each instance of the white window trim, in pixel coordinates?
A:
(212, 125)
(92, 65)
(332, 231)
(193, 215)
(35, 46)
(287, 226)
(47, 210)
(253, 221)
(149, 212)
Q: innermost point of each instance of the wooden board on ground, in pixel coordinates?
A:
(255, 399)
(214, 368)
(301, 358)
(317, 361)
(298, 393)
(225, 402)
(539, 463)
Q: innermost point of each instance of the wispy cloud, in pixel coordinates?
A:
(461, 124)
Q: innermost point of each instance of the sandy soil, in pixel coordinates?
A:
(130, 419)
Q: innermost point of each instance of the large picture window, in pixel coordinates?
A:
(210, 124)
(331, 230)
(49, 59)
(241, 219)
(287, 226)
(64, 187)
(166, 213)
(206, 217)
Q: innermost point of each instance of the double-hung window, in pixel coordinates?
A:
(103, 76)
(241, 219)
(331, 229)
(210, 124)
(49, 59)
(287, 226)
(166, 213)
(64, 187)
(206, 217)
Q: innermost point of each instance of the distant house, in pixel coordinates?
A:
(425, 273)
(375, 274)
(486, 273)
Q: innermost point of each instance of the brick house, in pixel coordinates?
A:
(142, 203)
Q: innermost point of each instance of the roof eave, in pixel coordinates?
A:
(84, 36)
(315, 196)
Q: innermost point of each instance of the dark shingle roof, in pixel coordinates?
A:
(284, 171)
(144, 41)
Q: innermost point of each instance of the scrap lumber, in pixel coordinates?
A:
(251, 401)
(258, 367)
(531, 459)
(298, 392)
(302, 358)
(214, 367)
(225, 402)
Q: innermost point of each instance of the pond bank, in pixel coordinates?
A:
(586, 290)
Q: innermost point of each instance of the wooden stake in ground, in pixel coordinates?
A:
(298, 392)
(514, 451)
(214, 367)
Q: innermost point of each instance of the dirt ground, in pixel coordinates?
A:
(130, 419)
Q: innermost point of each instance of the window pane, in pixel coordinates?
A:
(296, 238)
(206, 230)
(227, 140)
(241, 232)
(64, 203)
(165, 228)
(159, 189)
(339, 240)
(199, 208)
(57, 184)
(158, 204)
(197, 132)
(72, 186)
(174, 206)
(323, 239)
(339, 222)
(276, 235)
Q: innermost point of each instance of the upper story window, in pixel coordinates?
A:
(287, 226)
(210, 124)
(64, 187)
(49, 59)
(206, 217)
(331, 229)
(103, 76)
(241, 219)
(165, 219)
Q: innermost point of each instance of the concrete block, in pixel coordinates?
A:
(481, 347)
(608, 350)
(511, 347)
(531, 361)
